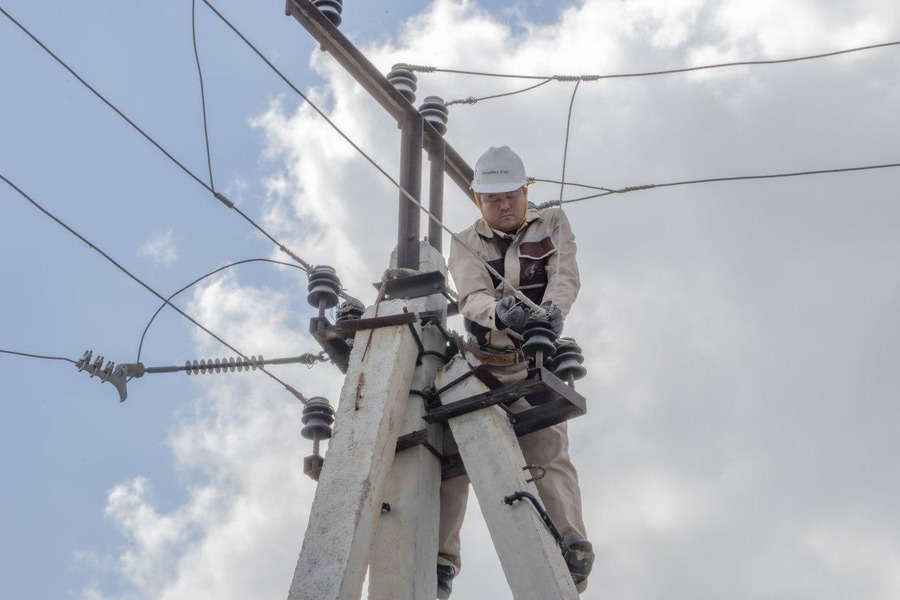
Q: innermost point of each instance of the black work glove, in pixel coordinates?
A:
(555, 318)
(509, 314)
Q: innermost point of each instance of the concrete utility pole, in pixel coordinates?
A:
(532, 562)
(404, 551)
(377, 505)
(342, 521)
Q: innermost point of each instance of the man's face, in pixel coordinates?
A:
(505, 211)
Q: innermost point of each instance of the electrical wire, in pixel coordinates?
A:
(650, 186)
(198, 280)
(473, 100)
(217, 195)
(569, 183)
(212, 184)
(427, 69)
(143, 284)
(39, 356)
(371, 161)
(562, 183)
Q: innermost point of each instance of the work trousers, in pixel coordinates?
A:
(558, 489)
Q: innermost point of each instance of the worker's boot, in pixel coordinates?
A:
(445, 575)
(579, 555)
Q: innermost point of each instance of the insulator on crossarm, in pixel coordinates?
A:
(403, 78)
(435, 111)
(331, 9)
(567, 362)
(539, 340)
(324, 286)
(318, 415)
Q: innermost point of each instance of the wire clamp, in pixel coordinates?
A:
(107, 374)
(218, 196)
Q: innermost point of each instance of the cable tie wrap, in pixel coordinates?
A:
(303, 399)
(469, 100)
(549, 204)
(636, 188)
(218, 196)
(296, 258)
(421, 68)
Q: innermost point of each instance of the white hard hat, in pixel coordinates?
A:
(499, 170)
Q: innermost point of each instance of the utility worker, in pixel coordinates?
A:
(535, 251)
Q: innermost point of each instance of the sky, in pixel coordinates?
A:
(741, 338)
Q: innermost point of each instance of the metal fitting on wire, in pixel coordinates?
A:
(435, 111)
(332, 9)
(349, 310)
(116, 375)
(402, 78)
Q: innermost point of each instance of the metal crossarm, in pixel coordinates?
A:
(552, 402)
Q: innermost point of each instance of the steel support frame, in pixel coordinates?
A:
(437, 158)
(373, 81)
(552, 402)
(411, 132)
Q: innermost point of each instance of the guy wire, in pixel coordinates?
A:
(142, 283)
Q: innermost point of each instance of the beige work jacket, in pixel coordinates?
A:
(538, 259)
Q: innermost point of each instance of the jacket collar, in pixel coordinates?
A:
(485, 230)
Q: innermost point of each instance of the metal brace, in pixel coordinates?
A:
(554, 531)
(541, 472)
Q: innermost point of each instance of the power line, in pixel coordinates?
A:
(562, 183)
(650, 186)
(198, 280)
(473, 100)
(569, 183)
(141, 282)
(37, 355)
(212, 184)
(217, 195)
(427, 69)
(103, 98)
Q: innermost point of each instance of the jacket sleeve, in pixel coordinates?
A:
(563, 281)
(473, 282)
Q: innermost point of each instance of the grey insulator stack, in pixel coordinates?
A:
(202, 367)
(331, 9)
(324, 287)
(539, 341)
(318, 415)
(567, 362)
(402, 78)
(435, 111)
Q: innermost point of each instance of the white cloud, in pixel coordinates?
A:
(162, 249)
(741, 338)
